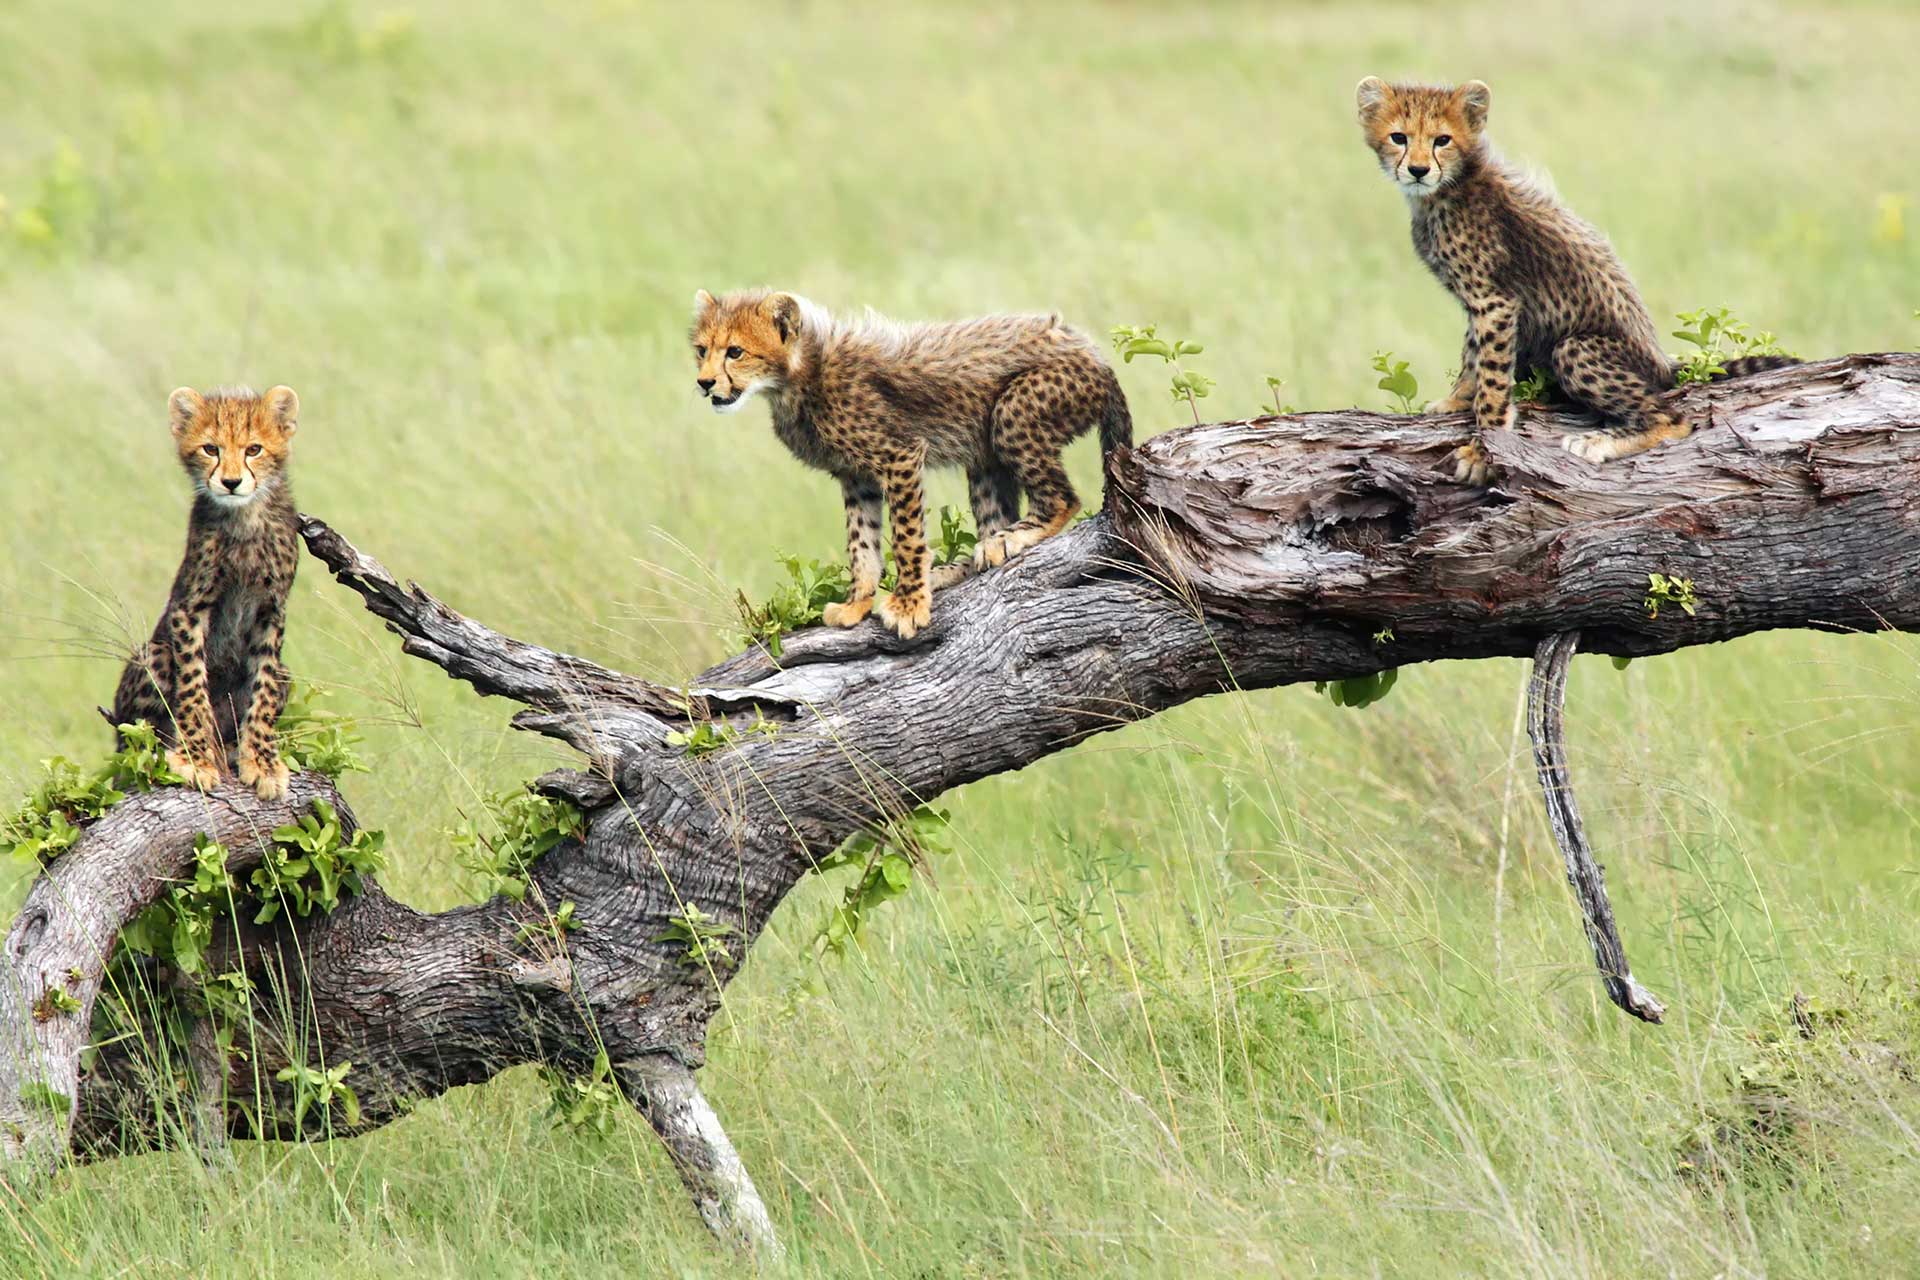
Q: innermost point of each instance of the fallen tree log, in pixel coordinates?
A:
(1231, 556)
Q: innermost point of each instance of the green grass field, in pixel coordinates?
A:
(1258, 987)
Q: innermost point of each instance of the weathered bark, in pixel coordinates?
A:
(1233, 556)
(66, 929)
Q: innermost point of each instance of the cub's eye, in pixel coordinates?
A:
(1397, 139)
(211, 450)
(734, 353)
(253, 451)
(1443, 140)
(701, 352)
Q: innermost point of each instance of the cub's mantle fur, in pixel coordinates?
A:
(873, 402)
(210, 680)
(1541, 288)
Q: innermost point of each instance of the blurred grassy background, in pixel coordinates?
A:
(1258, 987)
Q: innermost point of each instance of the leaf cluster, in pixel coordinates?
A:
(887, 857)
(515, 828)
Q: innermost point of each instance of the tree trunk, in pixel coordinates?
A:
(1231, 556)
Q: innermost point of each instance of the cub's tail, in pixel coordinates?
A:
(1116, 431)
(1116, 420)
(1741, 366)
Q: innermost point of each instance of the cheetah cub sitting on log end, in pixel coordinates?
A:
(1541, 288)
(210, 681)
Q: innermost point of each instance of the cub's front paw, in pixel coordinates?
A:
(1449, 404)
(905, 616)
(1470, 464)
(268, 778)
(852, 613)
(198, 774)
(992, 551)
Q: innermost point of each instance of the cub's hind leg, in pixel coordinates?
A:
(1617, 382)
(1034, 418)
(993, 491)
(145, 685)
(862, 497)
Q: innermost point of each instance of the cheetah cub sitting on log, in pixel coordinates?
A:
(873, 402)
(210, 681)
(1541, 288)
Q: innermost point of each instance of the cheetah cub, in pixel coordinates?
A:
(1541, 288)
(210, 680)
(873, 402)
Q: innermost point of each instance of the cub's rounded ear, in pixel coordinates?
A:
(1369, 96)
(285, 408)
(702, 302)
(1475, 97)
(183, 406)
(784, 310)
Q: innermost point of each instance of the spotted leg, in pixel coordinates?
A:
(993, 491)
(1032, 421)
(862, 497)
(1614, 381)
(908, 609)
(1496, 339)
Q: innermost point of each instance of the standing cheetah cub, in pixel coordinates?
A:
(1541, 288)
(873, 402)
(210, 680)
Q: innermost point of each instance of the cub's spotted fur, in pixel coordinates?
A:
(1541, 288)
(210, 680)
(873, 402)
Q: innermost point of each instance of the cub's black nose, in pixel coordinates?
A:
(1419, 170)
(706, 384)
(233, 485)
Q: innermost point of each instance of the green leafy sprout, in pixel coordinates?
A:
(1397, 380)
(309, 864)
(314, 738)
(886, 857)
(55, 1001)
(514, 829)
(709, 736)
(1663, 590)
(589, 1103)
(48, 822)
(555, 926)
(1358, 691)
(1716, 335)
(811, 585)
(955, 541)
(1535, 388)
(321, 1087)
(701, 937)
(795, 604)
(1132, 340)
(1273, 389)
